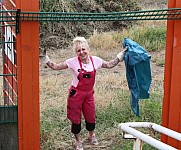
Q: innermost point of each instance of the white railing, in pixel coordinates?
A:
(139, 136)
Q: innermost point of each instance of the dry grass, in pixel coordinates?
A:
(152, 4)
(54, 84)
(104, 42)
(109, 82)
(54, 87)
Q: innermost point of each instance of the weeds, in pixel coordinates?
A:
(151, 38)
(159, 61)
(112, 95)
(55, 128)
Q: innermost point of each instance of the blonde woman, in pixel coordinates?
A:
(81, 93)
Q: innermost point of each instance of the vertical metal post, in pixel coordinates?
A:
(28, 79)
(171, 112)
(137, 144)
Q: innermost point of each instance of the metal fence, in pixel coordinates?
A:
(8, 72)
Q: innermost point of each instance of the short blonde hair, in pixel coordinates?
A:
(79, 40)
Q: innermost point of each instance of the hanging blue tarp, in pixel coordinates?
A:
(138, 73)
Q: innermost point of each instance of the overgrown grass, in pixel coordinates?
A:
(55, 128)
(152, 38)
(111, 94)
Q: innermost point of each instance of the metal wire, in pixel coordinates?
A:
(8, 16)
(8, 114)
(162, 14)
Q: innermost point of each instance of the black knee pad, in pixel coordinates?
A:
(90, 126)
(75, 128)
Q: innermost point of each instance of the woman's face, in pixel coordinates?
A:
(82, 51)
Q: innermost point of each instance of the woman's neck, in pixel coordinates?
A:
(85, 61)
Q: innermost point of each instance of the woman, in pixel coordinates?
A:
(81, 93)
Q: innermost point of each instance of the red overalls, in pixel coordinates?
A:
(81, 99)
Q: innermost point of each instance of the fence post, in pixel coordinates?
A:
(28, 79)
(171, 110)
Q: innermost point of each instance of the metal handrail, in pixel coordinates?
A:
(128, 128)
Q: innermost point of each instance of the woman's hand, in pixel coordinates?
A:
(44, 57)
(120, 55)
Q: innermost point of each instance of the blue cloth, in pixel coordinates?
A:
(138, 73)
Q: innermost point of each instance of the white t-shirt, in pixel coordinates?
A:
(73, 64)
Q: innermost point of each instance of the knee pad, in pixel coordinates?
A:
(75, 129)
(90, 126)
